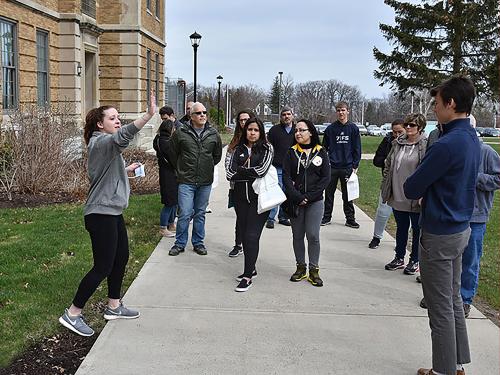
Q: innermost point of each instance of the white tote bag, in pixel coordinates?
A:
(269, 191)
(352, 187)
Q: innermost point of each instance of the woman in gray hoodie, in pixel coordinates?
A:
(108, 196)
(406, 154)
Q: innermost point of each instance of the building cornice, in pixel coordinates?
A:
(130, 28)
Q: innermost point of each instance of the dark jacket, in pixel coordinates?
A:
(168, 180)
(343, 144)
(433, 136)
(243, 169)
(446, 180)
(390, 162)
(488, 180)
(383, 150)
(306, 176)
(193, 156)
(281, 141)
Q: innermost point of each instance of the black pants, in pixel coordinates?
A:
(342, 175)
(110, 251)
(251, 225)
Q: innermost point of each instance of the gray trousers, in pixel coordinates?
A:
(440, 268)
(307, 223)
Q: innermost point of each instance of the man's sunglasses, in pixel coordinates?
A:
(199, 113)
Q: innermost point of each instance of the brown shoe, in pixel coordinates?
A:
(166, 233)
(172, 227)
(425, 371)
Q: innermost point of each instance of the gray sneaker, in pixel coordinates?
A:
(121, 312)
(76, 324)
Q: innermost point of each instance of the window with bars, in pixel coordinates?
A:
(148, 75)
(42, 72)
(157, 77)
(89, 8)
(8, 57)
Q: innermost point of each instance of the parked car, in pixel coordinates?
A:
(386, 129)
(374, 130)
(480, 130)
(321, 128)
(268, 126)
(491, 132)
(362, 129)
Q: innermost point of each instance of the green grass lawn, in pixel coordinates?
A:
(44, 253)
(489, 282)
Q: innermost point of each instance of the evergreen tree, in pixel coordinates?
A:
(274, 96)
(436, 39)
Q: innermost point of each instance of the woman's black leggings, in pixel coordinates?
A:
(251, 225)
(110, 251)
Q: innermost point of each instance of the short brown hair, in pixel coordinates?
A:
(342, 105)
(416, 118)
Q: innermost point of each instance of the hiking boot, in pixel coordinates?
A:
(300, 273)
(466, 310)
(325, 222)
(244, 285)
(270, 224)
(166, 233)
(172, 227)
(121, 312)
(423, 304)
(411, 268)
(240, 277)
(374, 243)
(314, 278)
(395, 264)
(200, 249)
(285, 222)
(352, 224)
(237, 250)
(176, 250)
(76, 324)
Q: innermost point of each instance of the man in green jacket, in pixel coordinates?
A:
(196, 148)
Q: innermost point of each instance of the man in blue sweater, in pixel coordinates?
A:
(446, 182)
(343, 144)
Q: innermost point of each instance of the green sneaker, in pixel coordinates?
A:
(314, 278)
(300, 274)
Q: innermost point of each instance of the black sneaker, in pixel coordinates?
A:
(395, 264)
(237, 250)
(411, 268)
(240, 277)
(270, 224)
(466, 310)
(200, 249)
(285, 222)
(175, 250)
(423, 304)
(325, 222)
(352, 224)
(314, 278)
(374, 243)
(244, 285)
(300, 273)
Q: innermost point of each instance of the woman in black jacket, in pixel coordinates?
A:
(168, 181)
(251, 159)
(306, 174)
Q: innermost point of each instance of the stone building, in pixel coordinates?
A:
(83, 52)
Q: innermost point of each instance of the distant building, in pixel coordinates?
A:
(83, 52)
(175, 95)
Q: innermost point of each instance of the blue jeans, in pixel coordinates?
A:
(403, 220)
(470, 262)
(193, 202)
(167, 215)
(383, 213)
(281, 213)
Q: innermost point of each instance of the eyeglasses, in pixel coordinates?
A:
(411, 125)
(301, 130)
(199, 113)
(243, 119)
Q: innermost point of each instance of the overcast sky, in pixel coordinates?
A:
(250, 41)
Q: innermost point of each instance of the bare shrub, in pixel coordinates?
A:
(150, 183)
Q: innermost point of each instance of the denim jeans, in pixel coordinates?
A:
(470, 262)
(167, 215)
(403, 220)
(382, 217)
(193, 202)
(281, 213)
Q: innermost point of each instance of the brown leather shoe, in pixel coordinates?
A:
(426, 371)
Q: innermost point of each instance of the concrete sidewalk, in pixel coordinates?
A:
(365, 320)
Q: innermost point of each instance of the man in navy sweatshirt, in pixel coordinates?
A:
(343, 144)
(446, 183)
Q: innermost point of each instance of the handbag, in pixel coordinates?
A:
(268, 190)
(290, 209)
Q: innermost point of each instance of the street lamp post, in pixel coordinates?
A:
(279, 96)
(195, 42)
(219, 81)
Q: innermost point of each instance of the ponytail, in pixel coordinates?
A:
(94, 116)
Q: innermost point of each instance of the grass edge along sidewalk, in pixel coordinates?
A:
(45, 251)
